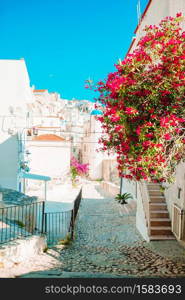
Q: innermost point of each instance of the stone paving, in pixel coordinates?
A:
(107, 244)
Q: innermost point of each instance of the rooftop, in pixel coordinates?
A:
(48, 138)
(39, 91)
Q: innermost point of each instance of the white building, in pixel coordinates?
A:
(90, 146)
(76, 113)
(15, 94)
(50, 155)
(155, 11)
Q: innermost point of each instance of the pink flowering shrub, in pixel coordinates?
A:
(77, 169)
(144, 105)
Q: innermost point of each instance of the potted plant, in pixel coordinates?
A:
(121, 198)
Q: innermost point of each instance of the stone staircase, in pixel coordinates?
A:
(159, 221)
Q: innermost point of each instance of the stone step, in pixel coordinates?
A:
(153, 184)
(155, 193)
(160, 222)
(154, 199)
(158, 206)
(160, 230)
(155, 188)
(161, 237)
(159, 214)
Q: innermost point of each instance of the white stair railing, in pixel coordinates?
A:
(146, 203)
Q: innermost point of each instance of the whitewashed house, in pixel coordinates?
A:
(90, 146)
(50, 155)
(49, 148)
(15, 93)
(76, 113)
(102, 166)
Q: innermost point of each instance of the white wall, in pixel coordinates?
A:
(141, 222)
(133, 188)
(9, 162)
(110, 171)
(49, 158)
(15, 88)
(171, 191)
(15, 92)
(90, 147)
(158, 10)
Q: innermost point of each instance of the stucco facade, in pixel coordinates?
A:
(15, 94)
(155, 11)
(175, 193)
(50, 158)
(9, 162)
(90, 148)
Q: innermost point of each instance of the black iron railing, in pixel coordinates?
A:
(30, 219)
(60, 224)
(57, 225)
(21, 221)
(74, 213)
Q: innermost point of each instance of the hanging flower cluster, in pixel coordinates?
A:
(77, 169)
(144, 105)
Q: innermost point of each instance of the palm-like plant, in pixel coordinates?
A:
(121, 198)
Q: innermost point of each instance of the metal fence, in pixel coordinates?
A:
(57, 225)
(21, 221)
(60, 224)
(74, 213)
(30, 219)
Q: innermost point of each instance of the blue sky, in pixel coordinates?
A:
(65, 42)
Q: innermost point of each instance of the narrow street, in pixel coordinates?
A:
(107, 244)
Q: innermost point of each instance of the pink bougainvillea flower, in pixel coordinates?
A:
(167, 136)
(159, 145)
(144, 101)
(149, 135)
(138, 130)
(118, 128)
(115, 118)
(146, 143)
(131, 111)
(179, 15)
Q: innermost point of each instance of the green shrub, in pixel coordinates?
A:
(121, 198)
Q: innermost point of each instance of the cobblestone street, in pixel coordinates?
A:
(107, 244)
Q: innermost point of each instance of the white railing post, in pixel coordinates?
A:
(146, 203)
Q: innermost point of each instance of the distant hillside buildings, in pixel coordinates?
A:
(40, 131)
